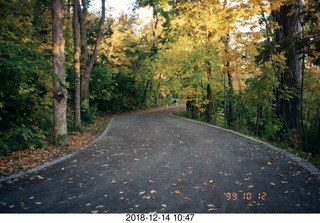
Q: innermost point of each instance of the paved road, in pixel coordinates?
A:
(154, 162)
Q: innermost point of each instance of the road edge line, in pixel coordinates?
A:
(54, 161)
(303, 163)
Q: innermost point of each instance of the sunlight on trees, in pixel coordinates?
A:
(230, 62)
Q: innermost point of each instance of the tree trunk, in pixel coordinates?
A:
(209, 75)
(210, 104)
(59, 88)
(230, 109)
(259, 114)
(84, 46)
(146, 90)
(154, 48)
(288, 95)
(158, 90)
(76, 58)
(229, 89)
(86, 76)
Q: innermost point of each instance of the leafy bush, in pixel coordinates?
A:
(22, 137)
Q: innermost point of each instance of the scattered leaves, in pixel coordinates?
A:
(27, 159)
(238, 183)
(212, 207)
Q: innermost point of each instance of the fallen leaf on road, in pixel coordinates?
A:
(187, 198)
(142, 192)
(273, 184)
(153, 192)
(297, 173)
(177, 192)
(212, 207)
(238, 183)
(39, 177)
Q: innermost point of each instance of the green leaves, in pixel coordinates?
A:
(25, 101)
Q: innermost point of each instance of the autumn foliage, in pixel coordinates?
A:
(227, 60)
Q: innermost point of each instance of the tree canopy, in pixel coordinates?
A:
(248, 65)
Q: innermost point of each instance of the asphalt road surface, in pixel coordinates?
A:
(154, 162)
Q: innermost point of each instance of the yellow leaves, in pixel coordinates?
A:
(276, 4)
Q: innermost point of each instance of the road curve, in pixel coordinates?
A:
(154, 162)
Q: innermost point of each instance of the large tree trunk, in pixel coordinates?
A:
(209, 75)
(88, 65)
(228, 85)
(76, 58)
(288, 95)
(59, 88)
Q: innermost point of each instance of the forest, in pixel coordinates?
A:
(248, 65)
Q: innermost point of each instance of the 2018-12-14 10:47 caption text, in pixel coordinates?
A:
(159, 217)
